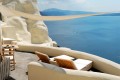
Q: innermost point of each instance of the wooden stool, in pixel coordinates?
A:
(8, 51)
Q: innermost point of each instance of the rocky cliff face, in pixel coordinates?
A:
(25, 30)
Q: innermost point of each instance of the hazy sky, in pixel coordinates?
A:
(81, 5)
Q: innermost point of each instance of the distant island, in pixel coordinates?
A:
(59, 12)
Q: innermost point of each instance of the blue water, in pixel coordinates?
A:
(99, 35)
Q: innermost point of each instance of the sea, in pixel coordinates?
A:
(98, 35)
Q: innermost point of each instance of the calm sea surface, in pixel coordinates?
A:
(99, 35)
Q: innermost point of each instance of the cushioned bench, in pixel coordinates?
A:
(79, 64)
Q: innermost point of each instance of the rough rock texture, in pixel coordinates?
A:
(16, 28)
(25, 30)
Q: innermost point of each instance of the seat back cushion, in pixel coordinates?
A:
(43, 57)
(65, 63)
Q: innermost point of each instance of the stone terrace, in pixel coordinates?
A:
(22, 59)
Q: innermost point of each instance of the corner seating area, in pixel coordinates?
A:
(65, 61)
(42, 71)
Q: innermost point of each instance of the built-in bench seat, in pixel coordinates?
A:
(65, 61)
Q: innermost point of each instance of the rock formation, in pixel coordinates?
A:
(25, 30)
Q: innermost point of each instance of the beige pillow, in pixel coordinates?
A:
(43, 57)
(65, 63)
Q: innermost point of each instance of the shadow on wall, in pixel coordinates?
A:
(0, 17)
(10, 78)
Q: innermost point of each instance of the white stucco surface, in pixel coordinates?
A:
(25, 30)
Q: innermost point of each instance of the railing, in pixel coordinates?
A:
(4, 68)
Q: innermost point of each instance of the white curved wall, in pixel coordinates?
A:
(99, 63)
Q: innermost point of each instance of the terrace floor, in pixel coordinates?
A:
(22, 59)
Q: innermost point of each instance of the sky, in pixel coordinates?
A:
(81, 5)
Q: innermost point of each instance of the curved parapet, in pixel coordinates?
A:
(99, 63)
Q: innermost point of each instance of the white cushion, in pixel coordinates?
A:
(64, 57)
(82, 64)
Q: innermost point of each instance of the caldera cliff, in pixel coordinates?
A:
(24, 30)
